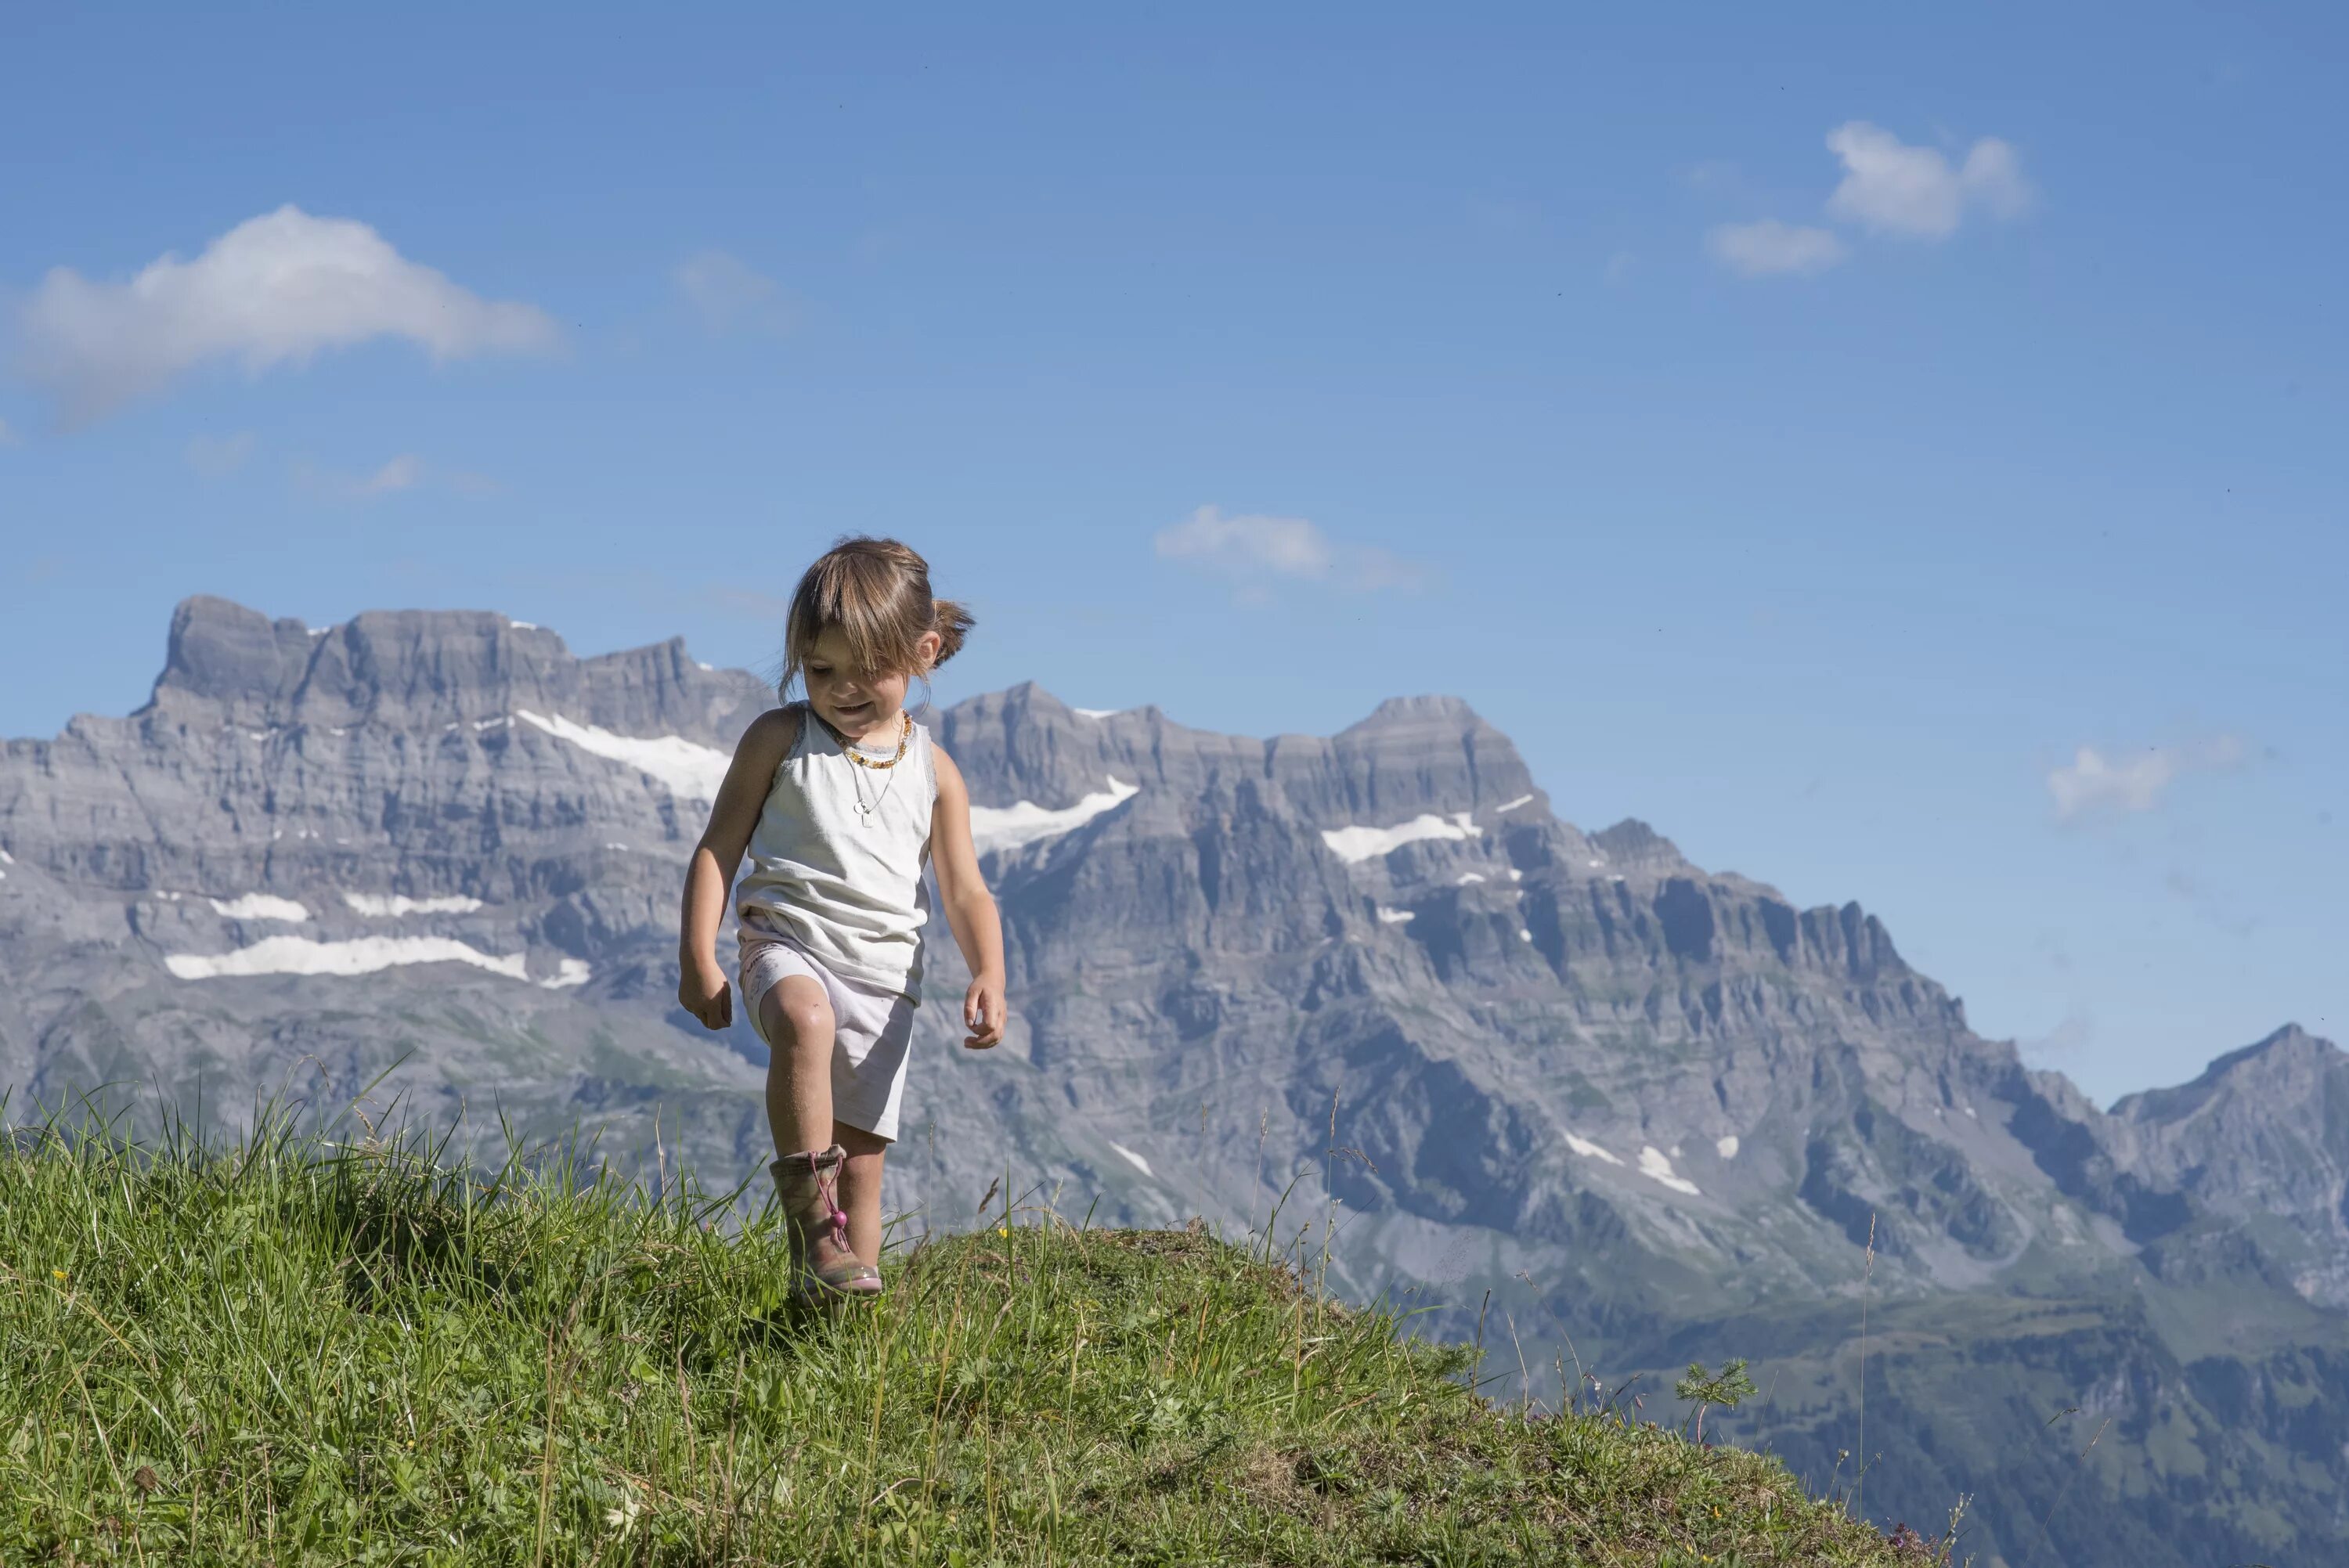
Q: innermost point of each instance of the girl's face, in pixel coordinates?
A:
(857, 703)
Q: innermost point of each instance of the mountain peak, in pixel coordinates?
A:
(1632, 843)
(2285, 1050)
(1411, 712)
(221, 650)
(2292, 1037)
(2280, 1068)
(235, 665)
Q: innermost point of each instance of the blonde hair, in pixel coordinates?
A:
(877, 593)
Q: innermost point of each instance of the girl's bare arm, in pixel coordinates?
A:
(701, 984)
(969, 907)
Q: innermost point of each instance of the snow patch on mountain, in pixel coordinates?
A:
(686, 768)
(996, 828)
(1726, 1147)
(361, 956)
(260, 906)
(395, 905)
(1355, 844)
(1590, 1151)
(1136, 1160)
(572, 972)
(1657, 1166)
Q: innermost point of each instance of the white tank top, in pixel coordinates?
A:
(836, 860)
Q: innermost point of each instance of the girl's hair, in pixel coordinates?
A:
(877, 593)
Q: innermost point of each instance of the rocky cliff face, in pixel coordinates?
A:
(313, 854)
(1647, 1111)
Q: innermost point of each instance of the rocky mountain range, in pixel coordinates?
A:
(1367, 993)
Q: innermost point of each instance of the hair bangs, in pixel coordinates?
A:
(875, 593)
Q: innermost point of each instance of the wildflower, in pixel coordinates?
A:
(624, 1517)
(1004, 1231)
(59, 1274)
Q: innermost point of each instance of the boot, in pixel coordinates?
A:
(828, 1268)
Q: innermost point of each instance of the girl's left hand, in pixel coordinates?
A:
(982, 1012)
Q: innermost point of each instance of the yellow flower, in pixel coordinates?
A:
(59, 1273)
(999, 1230)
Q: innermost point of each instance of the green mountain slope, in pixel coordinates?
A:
(297, 1354)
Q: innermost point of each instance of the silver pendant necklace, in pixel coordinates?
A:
(867, 809)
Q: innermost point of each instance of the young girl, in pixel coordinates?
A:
(841, 801)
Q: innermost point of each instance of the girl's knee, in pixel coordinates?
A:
(801, 1021)
(861, 1145)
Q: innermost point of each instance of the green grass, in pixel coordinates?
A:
(295, 1353)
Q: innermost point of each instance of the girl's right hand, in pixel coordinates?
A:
(702, 991)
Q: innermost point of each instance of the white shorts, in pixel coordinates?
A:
(871, 1028)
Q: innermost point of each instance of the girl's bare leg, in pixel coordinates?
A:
(860, 1187)
(800, 1026)
(797, 1018)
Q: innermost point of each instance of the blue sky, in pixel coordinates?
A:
(1807, 432)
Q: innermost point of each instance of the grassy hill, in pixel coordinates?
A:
(298, 1352)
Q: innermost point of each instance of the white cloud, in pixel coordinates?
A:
(1889, 187)
(2092, 782)
(1291, 546)
(400, 473)
(1769, 249)
(1251, 549)
(1992, 177)
(217, 457)
(275, 290)
(730, 296)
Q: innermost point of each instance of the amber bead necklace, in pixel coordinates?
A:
(867, 809)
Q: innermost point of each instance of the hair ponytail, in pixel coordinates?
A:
(952, 623)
